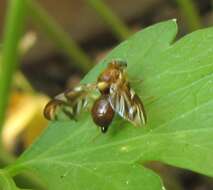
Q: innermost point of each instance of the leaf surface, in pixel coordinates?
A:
(177, 90)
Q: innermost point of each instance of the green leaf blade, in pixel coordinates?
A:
(177, 90)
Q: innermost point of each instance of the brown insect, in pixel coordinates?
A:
(116, 96)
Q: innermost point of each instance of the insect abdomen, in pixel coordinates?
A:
(102, 113)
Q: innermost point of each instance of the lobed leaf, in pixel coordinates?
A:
(177, 89)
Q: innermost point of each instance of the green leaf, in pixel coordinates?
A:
(177, 90)
(6, 181)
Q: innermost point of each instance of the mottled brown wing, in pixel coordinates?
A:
(127, 104)
(71, 102)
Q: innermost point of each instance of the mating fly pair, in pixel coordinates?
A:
(116, 96)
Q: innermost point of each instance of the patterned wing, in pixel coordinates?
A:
(70, 102)
(127, 104)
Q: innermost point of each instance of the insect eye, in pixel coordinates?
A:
(120, 63)
(123, 63)
(102, 86)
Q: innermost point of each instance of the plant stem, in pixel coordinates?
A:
(191, 13)
(6, 181)
(116, 25)
(24, 178)
(13, 30)
(14, 25)
(5, 157)
(60, 37)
